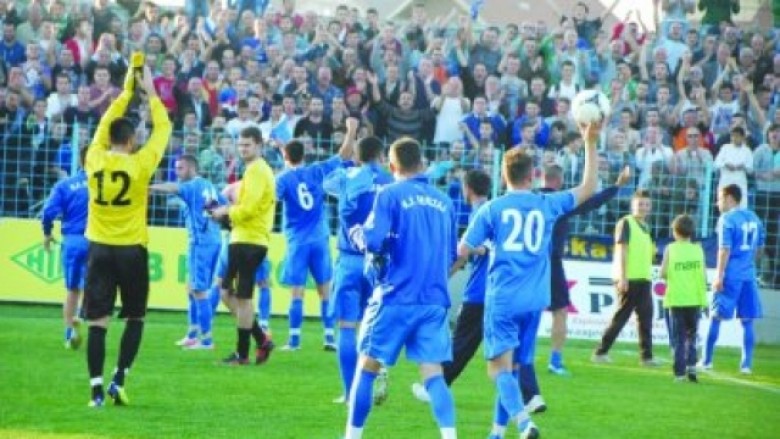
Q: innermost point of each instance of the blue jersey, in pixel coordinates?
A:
(69, 199)
(520, 225)
(301, 192)
(477, 282)
(412, 229)
(198, 195)
(740, 231)
(356, 189)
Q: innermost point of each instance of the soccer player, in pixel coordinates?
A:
(199, 195)
(740, 241)
(559, 288)
(305, 226)
(118, 180)
(520, 225)
(686, 294)
(356, 189)
(467, 334)
(69, 199)
(632, 271)
(410, 236)
(252, 218)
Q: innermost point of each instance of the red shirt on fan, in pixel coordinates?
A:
(165, 90)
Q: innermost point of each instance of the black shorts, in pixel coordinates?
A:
(559, 287)
(109, 267)
(243, 261)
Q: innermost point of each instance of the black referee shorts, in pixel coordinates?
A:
(243, 262)
(112, 267)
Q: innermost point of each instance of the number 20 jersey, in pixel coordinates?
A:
(520, 225)
(119, 183)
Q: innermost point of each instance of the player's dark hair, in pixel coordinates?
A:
(478, 181)
(294, 151)
(191, 160)
(641, 193)
(369, 149)
(683, 226)
(407, 154)
(121, 131)
(252, 133)
(733, 191)
(518, 166)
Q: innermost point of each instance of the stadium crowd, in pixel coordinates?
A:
(694, 106)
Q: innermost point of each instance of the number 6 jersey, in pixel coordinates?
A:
(118, 182)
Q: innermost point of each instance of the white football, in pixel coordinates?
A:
(590, 106)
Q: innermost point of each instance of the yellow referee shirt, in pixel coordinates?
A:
(118, 182)
(252, 215)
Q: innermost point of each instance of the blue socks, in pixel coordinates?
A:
(296, 321)
(348, 356)
(712, 338)
(442, 404)
(556, 359)
(327, 322)
(264, 307)
(748, 342)
(529, 386)
(361, 398)
(192, 316)
(204, 318)
(509, 393)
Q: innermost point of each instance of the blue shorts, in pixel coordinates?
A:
(263, 272)
(222, 261)
(202, 260)
(302, 258)
(351, 289)
(511, 331)
(423, 330)
(73, 253)
(739, 295)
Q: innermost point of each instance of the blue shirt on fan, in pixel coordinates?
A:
(356, 189)
(740, 231)
(412, 229)
(69, 199)
(520, 225)
(301, 192)
(199, 194)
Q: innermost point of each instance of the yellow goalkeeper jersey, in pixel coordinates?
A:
(252, 215)
(118, 182)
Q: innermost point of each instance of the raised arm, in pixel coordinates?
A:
(590, 135)
(161, 123)
(165, 188)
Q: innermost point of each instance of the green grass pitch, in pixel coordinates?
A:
(44, 391)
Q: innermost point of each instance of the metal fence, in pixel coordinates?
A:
(33, 159)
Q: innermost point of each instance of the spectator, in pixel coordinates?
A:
(195, 101)
(717, 11)
(315, 126)
(450, 109)
(57, 103)
(734, 162)
(693, 160)
(651, 152)
(102, 92)
(81, 45)
(30, 30)
(67, 65)
(766, 159)
(11, 51)
(81, 113)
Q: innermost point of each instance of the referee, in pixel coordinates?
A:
(118, 181)
(252, 218)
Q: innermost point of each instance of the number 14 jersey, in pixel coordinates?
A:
(519, 226)
(118, 182)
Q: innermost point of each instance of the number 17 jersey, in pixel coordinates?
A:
(740, 231)
(519, 225)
